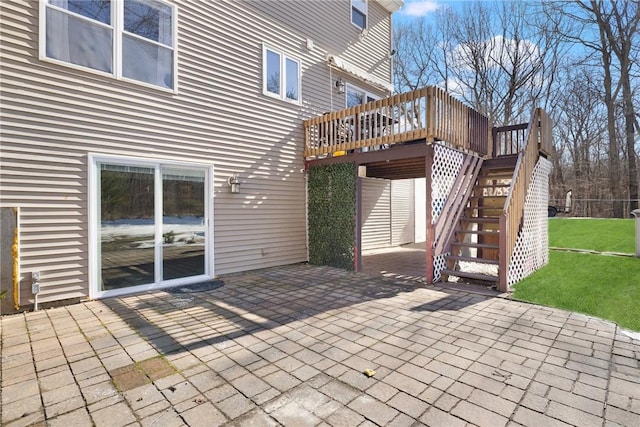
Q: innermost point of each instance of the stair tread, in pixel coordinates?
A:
(493, 185)
(497, 176)
(476, 245)
(487, 197)
(476, 276)
(483, 232)
(472, 259)
(486, 219)
(485, 208)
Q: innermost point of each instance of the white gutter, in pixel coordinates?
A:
(342, 65)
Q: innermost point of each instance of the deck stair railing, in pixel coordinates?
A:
(445, 226)
(538, 139)
(428, 113)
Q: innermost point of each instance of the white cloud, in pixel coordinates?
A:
(495, 52)
(420, 8)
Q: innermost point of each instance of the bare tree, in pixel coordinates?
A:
(495, 57)
(608, 32)
(578, 131)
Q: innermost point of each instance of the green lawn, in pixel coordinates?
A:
(610, 235)
(599, 285)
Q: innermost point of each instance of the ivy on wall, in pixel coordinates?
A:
(332, 212)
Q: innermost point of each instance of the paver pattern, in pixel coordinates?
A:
(288, 345)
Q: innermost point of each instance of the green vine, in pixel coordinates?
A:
(332, 211)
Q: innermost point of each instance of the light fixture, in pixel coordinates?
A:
(234, 183)
(339, 85)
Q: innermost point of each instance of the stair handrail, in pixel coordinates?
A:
(455, 204)
(513, 210)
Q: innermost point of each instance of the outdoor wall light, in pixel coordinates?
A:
(340, 85)
(234, 183)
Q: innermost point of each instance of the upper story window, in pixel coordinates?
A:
(359, 13)
(357, 96)
(131, 39)
(281, 75)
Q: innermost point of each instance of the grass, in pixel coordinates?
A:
(604, 286)
(610, 235)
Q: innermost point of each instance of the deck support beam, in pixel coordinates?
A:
(430, 227)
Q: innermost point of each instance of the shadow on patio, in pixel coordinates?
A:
(264, 300)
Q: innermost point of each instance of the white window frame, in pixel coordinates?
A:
(95, 290)
(366, 93)
(365, 12)
(283, 75)
(117, 26)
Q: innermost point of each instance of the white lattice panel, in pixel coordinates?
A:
(447, 164)
(446, 167)
(439, 264)
(531, 251)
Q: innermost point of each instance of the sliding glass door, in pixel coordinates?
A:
(152, 224)
(183, 223)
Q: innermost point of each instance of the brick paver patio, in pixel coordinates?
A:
(288, 346)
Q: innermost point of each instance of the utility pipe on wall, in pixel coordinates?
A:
(15, 253)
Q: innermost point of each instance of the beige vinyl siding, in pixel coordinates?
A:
(54, 116)
(420, 209)
(328, 24)
(402, 212)
(376, 213)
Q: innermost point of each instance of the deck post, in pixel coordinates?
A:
(430, 228)
(503, 255)
(357, 255)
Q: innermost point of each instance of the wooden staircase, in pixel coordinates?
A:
(474, 251)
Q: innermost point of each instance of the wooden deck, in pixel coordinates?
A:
(393, 138)
(426, 114)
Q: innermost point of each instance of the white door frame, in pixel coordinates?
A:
(94, 226)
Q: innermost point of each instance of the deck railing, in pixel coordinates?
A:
(512, 139)
(538, 138)
(509, 140)
(428, 113)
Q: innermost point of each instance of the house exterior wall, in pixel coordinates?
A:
(55, 116)
(420, 210)
(388, 212)
(402, 212)
(376, 213)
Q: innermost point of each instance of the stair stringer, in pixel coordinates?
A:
(531, 251)
(447, 164)
(450, 189)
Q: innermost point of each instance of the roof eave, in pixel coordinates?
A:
(391, 5)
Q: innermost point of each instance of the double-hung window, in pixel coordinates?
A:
(359, 13)
(129, 39)
(281, 75)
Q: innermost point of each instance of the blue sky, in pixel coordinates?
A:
(418, 9)
(413, 9)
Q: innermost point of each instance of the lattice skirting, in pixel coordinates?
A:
(439, 264)
(446, 167)
(447, 164)
(531, 251)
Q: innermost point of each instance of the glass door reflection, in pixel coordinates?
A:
(127, 226)
(183, 222)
